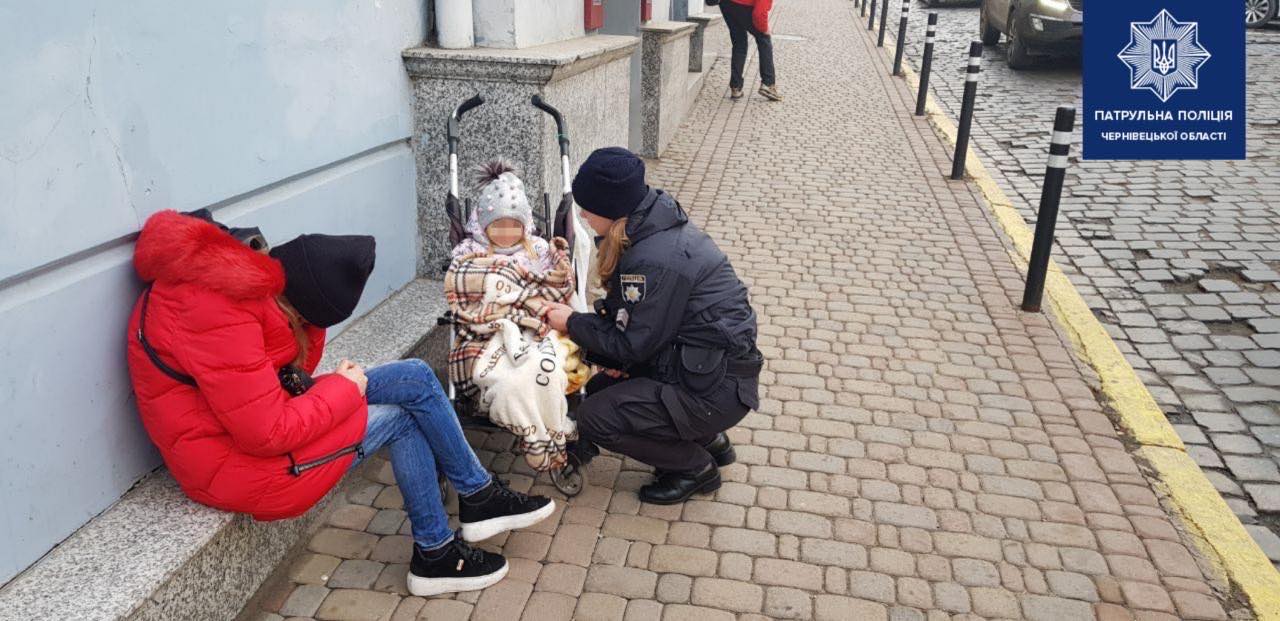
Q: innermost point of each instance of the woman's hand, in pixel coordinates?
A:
(353, 372)
(558, 317)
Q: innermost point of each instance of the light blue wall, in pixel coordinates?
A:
(289, 115)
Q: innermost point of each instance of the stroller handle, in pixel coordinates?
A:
(561, 134)
(451, 128)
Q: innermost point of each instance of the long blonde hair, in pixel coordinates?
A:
(299, 334)
(615, 243)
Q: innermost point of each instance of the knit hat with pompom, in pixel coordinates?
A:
(501, 195)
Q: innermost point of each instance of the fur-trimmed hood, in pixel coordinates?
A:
(178, 249)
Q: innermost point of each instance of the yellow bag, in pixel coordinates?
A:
(575, 368)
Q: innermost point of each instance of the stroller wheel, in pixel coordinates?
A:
(568, 479)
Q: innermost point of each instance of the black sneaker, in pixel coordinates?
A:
(453, 568)
(497, 509)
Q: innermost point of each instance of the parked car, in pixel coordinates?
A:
(1257, 13)
(1033, 27)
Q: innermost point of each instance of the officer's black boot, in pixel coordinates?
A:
(676, 487)
(721, 450)
(585, 450)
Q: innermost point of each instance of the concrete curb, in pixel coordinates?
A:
(1217, 531)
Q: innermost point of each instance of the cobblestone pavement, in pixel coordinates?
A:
(1178, 259)
(923, 450)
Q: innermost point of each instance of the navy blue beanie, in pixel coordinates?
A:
(610, 184)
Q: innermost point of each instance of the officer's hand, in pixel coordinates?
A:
(615, 374)
(558, 317)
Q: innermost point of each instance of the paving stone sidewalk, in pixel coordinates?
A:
(1178, 260)
(923, 450)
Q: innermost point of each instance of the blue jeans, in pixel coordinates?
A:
(410, 413)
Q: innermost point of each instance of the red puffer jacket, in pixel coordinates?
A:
(212, 316)
(759, 12)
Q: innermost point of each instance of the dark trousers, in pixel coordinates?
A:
(628, 416)
(738, 18)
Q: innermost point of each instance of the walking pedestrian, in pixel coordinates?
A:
(675, 330)
(222, 344)
(751, 17)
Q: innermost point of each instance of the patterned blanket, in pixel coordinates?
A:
(481, 289)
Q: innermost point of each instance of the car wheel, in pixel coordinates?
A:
(1258, 12)
(989, 34)
(1017, 57)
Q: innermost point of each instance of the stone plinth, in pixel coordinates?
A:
(664, 82)
(704, 24)
(586, 78)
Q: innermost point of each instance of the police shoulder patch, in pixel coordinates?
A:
(632, 287)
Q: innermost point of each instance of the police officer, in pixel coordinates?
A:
(675, 332)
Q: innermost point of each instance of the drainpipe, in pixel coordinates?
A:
(454, 25)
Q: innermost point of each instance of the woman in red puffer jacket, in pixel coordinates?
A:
(222, 344)
(745, 17)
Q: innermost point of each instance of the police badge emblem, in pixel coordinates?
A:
(1164, 55)
(632, 288)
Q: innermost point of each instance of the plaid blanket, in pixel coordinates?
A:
(482, 288)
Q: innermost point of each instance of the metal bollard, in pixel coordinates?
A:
(926, 63)
(966, 109)
(871, 21)
(1050, 196)
(862, 7)
(884, 15)
(902, 38)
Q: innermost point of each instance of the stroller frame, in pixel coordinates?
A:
(568, 478)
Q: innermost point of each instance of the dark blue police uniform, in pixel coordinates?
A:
(678, 321)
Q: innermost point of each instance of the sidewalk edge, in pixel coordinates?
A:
(1217, 531)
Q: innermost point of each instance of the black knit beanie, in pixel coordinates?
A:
(610, 183)
(325, 274)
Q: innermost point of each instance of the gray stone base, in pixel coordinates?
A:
(664, 82)
(587, 79)
(156, 555)
(698, 80)
(708, 25)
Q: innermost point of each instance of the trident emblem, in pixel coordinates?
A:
(1164, 55)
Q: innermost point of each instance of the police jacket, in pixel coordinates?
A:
(676, 311)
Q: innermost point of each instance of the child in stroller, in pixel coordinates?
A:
(505, 357)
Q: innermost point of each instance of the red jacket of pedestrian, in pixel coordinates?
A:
(213, 316)
(759, 12)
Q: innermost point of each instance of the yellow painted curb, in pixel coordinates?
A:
(1216, 529)
(1201, 507)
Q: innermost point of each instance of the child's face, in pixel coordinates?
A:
(505, 233)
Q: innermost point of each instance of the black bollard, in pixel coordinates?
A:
(884, 15)
(871, 21)
(1050, 196)
(926, 63)
(966, 109)
(902, 38)
(862, 7)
